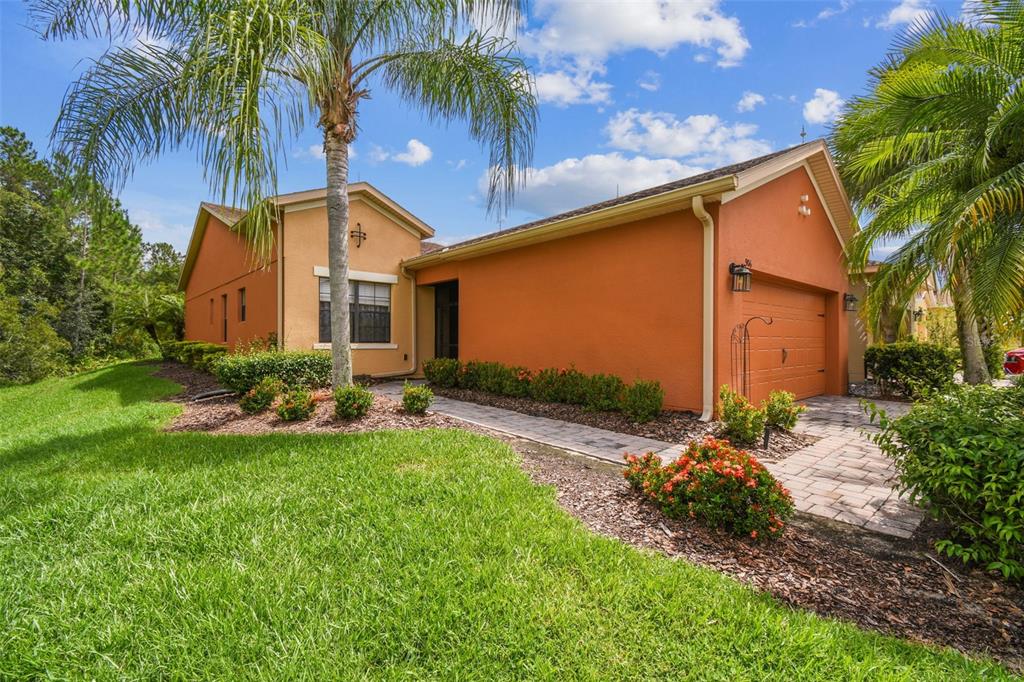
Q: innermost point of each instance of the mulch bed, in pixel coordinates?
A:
(672, 427)
(899, 587)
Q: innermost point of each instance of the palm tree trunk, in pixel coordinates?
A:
(975, 369)
(337, 256)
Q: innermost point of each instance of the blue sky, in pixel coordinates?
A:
(633, 94)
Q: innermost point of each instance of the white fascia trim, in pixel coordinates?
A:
(360, 346)
(361, 275)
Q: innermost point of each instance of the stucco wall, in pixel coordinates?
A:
(222, 267)
(765, 226)
(624, 300)
(386, 245)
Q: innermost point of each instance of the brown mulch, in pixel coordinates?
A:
(893, 586)
(672, 427)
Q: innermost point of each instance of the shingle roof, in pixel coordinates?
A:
(226, 214)
(427, 247)
(626, 198)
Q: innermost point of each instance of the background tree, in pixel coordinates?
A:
(234, 78)
(934, 154)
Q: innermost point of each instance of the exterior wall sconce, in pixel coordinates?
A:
(804, 209)
(358, 235)
(740, 275)
(849, 302)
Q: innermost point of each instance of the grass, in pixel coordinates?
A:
(126, 552)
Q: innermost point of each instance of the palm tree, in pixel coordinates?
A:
(235, 79)
(934, 154)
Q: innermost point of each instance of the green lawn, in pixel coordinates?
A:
(126, 552)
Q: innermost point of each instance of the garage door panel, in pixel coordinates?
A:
(798, 327)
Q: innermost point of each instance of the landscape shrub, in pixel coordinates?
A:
(416, 399)
(544, 386)
(961, 455)
(352, 402)
(781, 410)
(643, 400)
(262, 395)
(744, 423)
(442, 372)
(604, 393)
(571, 386)
(30, 349)
(296, 404)
(712, 481)
(197, 354)
(911, 369)
(493, 377)
(297, 369)
(517, 383)
(469, 375)
(994, 358)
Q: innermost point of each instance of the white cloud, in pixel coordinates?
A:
(906, 12)
(574, 84)
(572, 183)
(823, 107)
(749, 101)
(650, 82)
(704, 138)
(825, 14)
(458, 165)
(416, 154)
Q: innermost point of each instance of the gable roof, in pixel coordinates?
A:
(721, 184)
(313, 198)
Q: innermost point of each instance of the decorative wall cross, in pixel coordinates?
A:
(358, 235)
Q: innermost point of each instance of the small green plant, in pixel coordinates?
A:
(296, 404)
(544, 386)
(744, 423)
(442, 372)
(416, 399)
(572, 386)
(910, 369)
(604, 393)
(261, 396)
(781, 410)
(352, 402)
(643, 400)
(716, 483)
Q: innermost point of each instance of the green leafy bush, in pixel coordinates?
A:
(29, 347)
(604, 393)
(744, 423)
(493, 377)
(352, 402)
(442, 372)
(544, 386)
(297, 369)
(469, 375)
(297, 404)
(643, 401)
(716, 483)
(197, 354)
(781, 410)
(572, 386)
(911, 369)
(994, 358)
(961, 455)
(261, 396)
(416, 399)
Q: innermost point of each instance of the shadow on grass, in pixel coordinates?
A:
(131, 381)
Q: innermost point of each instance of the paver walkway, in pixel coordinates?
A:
(843, 476)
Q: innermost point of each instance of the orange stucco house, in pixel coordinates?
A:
(643, 286)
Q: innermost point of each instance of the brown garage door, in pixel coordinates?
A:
(789, 354)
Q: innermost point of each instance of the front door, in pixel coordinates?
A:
(446, 320)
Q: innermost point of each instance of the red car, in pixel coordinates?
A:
(1014, 363)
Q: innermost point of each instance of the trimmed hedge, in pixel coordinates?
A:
(416, 399)
(197, 354)
(296, 369)
(911, 369)
(961, 455)
(599, 392)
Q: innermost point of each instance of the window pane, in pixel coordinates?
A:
(325, 289)
(325, 321)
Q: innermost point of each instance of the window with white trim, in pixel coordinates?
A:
(369, 309)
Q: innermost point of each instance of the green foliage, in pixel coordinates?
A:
(197, 354)
(961, 455)
(911, 369)
(643, 400)
(744, 423)
(296, 404)
(352, 402)
(718, 484)
(545, 386)
(30, 349)
(442, 372)
(781, 410)
(604, 393)
(262, 395)
(416, 399)
(940, 327)
(306, 369)
(994, 358)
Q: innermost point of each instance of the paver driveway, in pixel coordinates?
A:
(843, 476)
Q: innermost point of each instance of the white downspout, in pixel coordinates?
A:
(415, 334)
(708, 310)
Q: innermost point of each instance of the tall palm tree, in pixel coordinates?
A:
(236, 79)
(934, 153)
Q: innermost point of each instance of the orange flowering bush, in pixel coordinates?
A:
(715, 482)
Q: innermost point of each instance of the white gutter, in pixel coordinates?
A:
(415, 334)
(708, 311)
